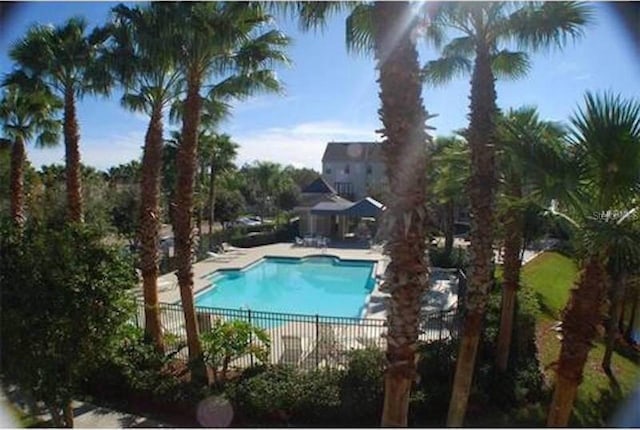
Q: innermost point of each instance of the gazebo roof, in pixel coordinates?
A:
(367, 207)
(331, 208)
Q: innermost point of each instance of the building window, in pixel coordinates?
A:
(327, 170)
(346, 169)
(369, 169)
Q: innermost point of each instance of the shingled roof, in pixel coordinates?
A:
(319, 186)
(353, 151)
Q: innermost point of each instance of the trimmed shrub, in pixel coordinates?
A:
(362, 388)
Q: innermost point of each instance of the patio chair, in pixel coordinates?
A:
(214, 255)
(226, 247)
(299, 241)
(293, 352)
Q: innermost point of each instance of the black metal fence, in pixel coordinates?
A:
(305, 341)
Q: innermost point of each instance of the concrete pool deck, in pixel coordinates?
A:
(239, 258)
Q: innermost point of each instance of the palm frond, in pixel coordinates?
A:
(360, 29)
(606, 140)
(510, 65)
(540, 26)
(445, 69)
(463, 46)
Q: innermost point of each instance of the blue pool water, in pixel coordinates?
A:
(315, 285)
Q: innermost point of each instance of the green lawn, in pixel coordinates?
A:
(551, 275)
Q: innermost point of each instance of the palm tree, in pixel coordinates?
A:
(484, 28)
(26, 114)
(63, 58)
(529, 160)
(605, 147)
(220, 152)
(450, 175)
(387, 30)
(211, 38)
(138, 57)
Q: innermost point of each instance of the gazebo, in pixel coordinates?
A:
(323, 212)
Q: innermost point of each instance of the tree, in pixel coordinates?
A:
(450, 175)
(605, 149)
(302, 176)
(26, 114)
(209, 38)
(387, 30)
(218, 151)
(139, 59)
(50, 345)
(528, 158)
(64, 59)
(484, 27)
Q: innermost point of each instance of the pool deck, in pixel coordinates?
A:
(168, 291)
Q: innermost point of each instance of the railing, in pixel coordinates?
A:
(305, 341)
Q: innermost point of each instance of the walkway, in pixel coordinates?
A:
(85, 415)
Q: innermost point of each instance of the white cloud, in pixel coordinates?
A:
(99, 153)
(300, 144)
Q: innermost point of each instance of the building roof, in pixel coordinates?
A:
(308, 201)
(329, 208)
(353, 151)
(319, 186)
(367, 207)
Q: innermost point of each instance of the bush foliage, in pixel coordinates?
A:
(65, 304)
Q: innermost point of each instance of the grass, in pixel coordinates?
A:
(551, 275)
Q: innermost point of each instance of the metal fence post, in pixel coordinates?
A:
(317, 340)
(250, 336)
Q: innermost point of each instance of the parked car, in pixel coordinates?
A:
(248, 221)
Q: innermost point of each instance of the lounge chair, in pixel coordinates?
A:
(293, 352)
(226, 247)
(214, 255)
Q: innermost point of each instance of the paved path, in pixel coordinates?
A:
(85, 415)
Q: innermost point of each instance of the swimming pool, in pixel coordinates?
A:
(312, 285)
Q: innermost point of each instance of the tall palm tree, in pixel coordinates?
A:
(26, 114)
(63, 57)
(387, 30)
(211, 38)
(405, 150)
(484, 28)
(605, 147)
(529, 159)
(138, 57)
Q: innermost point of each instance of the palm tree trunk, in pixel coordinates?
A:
(481, 196)
(150, 226)
(72, 158)
(581, 317)
(448, 230)
(633, 323)
(186, 171)
(617, 296)
(17, 182)
(512, 262)
(404, 146)
(67, 414)
(212, 198)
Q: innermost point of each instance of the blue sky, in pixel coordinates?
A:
(332, 94)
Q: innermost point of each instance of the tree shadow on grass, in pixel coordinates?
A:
(598, 410)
